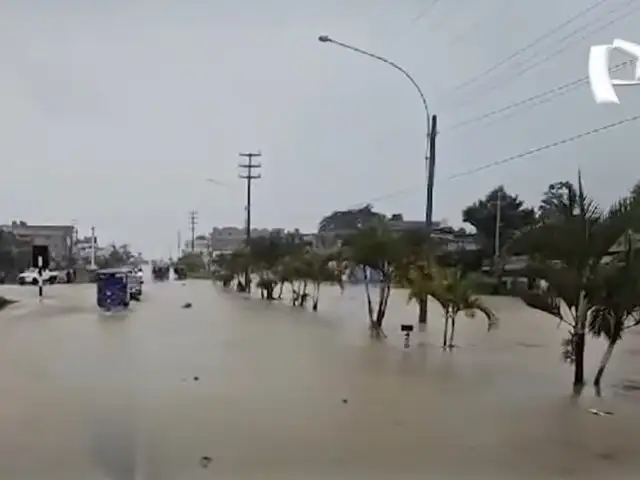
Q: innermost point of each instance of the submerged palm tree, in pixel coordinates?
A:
(453, 291)
(566, 250)
(616, 302)
(231, 267)
(374, 250)
(323, 268)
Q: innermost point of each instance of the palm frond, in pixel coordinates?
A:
(475, 304)
(543, 302)
(604, 323)
(563, 282)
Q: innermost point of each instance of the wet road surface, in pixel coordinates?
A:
(270, 391)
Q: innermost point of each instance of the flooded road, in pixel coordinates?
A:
(270, 391)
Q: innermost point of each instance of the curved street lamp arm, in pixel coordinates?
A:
(392, 64)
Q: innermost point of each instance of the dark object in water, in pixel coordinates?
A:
(599, 413)
(160, 271)
(196, 379)
(180, 272)
(205, 461)
(630, 386)
(344, 400)
(187, 305)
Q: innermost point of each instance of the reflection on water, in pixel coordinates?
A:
(285, 393)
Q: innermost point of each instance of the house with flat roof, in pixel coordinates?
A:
(59, 239)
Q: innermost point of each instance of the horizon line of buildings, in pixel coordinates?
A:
(228, 238)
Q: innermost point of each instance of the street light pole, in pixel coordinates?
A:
(430, 149)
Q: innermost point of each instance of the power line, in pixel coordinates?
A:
(421, 15)
(415, 20)
(544, 147)
(518, 73)
(530, 107)
(529, 46)
(564, 48)
(503, 161)
(552, 93)
(515, 105)
(473, 26)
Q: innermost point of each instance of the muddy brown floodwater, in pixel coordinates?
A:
(234, 388)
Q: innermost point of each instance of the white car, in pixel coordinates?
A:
(30, 276)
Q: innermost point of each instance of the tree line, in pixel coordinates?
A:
(584, 255)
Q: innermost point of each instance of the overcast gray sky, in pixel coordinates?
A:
(113, 113)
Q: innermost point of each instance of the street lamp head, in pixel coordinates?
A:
(324, 38)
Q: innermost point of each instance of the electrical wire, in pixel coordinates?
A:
(505, 160)
(421, 15)
(552, 93)
(528, 47)
(564, 48)
(519, 73)
(473, 26)
(513, 113)
(544, 147)
(415, 20)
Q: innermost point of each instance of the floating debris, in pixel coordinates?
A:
(195, 379)
(344, 400)
(600, 413)
(630, 386)
(187, 305)
(205, 461)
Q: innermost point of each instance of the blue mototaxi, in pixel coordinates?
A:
(113, 288)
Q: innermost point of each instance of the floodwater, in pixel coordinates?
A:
(274, 392)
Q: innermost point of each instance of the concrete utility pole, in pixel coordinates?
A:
(431, 168)
(496, 253)
(179, 245)
(248, 174)
(430, 164)
(193, 220)
(93, 247)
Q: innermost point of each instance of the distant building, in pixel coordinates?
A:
(227, 239)
(59, 239)
(201, 244)
(329, 233)
(83, 250)
(83, 247)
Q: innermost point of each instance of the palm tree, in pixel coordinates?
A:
(265, 253)
(230, 267)
(301, 272)
(415, 246)
(285, 273)
(452, 290)
(566, 251)
(323, 268)
(375, 250)
(616, 302)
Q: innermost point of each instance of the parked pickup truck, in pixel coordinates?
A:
(30, 277)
